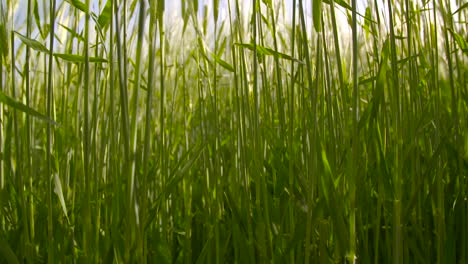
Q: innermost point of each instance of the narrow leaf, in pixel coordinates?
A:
(367, 21)
(366, 80)
(3, 36)
(3, 41)
(341, 3)
(317, 14)
(23, 108)
(268, 3)
(105, 16)
(268, 51)
(34, 44)
(462, 44)
(465, 5)
(78, 4)
(78, 58)
(282, 55)
(327, 176)
(245, 45)
(223, 63)
(37, 18)
(59, 192)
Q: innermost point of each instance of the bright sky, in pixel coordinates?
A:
(172, 7)
(173, 12)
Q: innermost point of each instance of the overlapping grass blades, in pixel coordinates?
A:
(233, 131)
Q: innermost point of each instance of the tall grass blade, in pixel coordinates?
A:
(79, 5)
(321, 131)
(34, 44)
(317, 14)
(79, 58)
(23, 108)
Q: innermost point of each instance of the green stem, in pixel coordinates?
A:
(50, 229)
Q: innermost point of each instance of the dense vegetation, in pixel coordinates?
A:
(226, 132)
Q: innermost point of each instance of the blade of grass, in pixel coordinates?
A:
(23, 108)
(34, 44)
(50, 228)
(133, 144)
(79, 58)
(29, 170)
(397, 232)
(355, 141)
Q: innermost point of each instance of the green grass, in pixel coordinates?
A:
(236, 132)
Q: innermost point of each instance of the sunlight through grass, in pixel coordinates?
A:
(232, 131)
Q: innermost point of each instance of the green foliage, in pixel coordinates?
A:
(34, 44)
(5, 99)
(3, 33)
(262, 51)
(78, 5)
(461, 42)
(78, 58)
(106, 15)
(317, 14)
(337, 134)
(7, 253)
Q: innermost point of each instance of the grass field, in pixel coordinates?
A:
(233, 131)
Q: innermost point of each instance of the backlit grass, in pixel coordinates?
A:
(232, 131)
